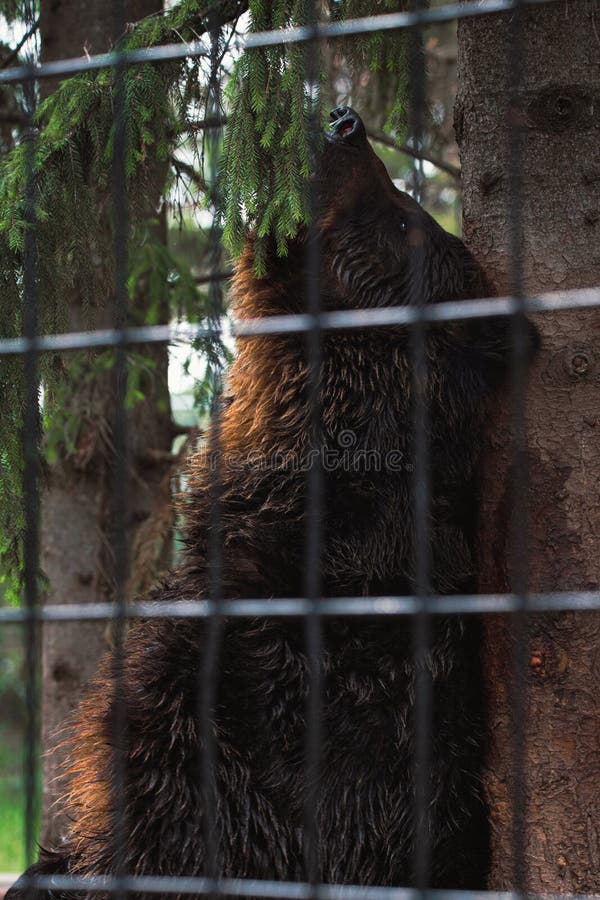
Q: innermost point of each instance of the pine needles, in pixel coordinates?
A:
(264, 171)
(267, 158)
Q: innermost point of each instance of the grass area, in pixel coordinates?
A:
(12, 851)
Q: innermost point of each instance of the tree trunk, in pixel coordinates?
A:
(76, 531)
(560, 167)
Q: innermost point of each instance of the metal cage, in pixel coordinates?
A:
(311, 607)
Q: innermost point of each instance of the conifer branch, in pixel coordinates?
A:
(190, 172)
(389, 141)
(209, 122)
(378, 137)
(15, 53)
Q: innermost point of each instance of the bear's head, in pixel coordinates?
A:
(379, 246)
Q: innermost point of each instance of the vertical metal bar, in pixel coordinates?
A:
(119, 469)
(519, 556)
(421, 496)
(208, 672)
(31, 472)
(314, 486)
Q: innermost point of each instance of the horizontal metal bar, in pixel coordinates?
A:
(286, 607)
(385, 22)
(454, 310)
(366, 25)
(278, 890)
(102, 337)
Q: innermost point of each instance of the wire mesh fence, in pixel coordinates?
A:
(311, 607)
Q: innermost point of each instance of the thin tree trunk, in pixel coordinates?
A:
(77, 542)
(557, 112)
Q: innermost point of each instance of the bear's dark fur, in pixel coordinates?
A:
(379, 248)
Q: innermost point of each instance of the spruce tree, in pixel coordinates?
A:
(265, 165)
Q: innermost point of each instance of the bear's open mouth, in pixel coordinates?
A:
(345, 128)
(345, 123)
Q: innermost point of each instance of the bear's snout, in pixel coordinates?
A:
(346, 126)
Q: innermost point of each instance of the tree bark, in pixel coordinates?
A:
(77, 538)
(560, 166)
(74, 27)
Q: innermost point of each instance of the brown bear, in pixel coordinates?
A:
(378, 248)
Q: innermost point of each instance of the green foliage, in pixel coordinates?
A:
(12, 707)
(12, 824)
(12, 806)
(163, 276)
(267, 159)
(70, 170)
(158, 279)
(267, 150)
(381, 51)
(12, 687)
(11, 475)
(62, 425)
(15, 10)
